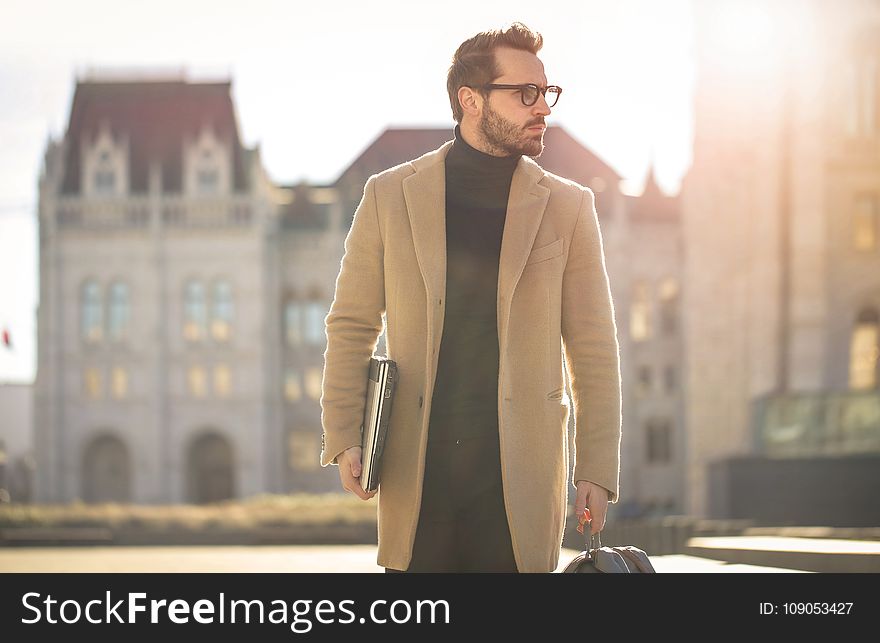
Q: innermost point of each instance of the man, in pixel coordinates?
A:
(481, 263)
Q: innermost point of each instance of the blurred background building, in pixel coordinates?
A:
(182, 294)
(781, 213)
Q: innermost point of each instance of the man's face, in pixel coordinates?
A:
(508, 126)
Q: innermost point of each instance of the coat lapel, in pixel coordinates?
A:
(525, 209)
(425, 194)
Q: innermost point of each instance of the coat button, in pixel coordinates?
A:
(420, 401)
(458, 441)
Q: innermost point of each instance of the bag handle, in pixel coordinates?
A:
(586, 518)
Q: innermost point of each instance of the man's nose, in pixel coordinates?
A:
(541, 108)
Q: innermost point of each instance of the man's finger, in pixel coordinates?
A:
(598, 522)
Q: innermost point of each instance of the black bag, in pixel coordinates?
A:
(596, 559)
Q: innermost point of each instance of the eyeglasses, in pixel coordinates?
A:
(529, 92)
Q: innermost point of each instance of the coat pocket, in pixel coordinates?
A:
(545, 252)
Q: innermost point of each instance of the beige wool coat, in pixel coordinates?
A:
(553, 298)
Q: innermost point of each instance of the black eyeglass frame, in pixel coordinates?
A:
(538, 90)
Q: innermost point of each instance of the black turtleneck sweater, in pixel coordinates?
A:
(465, 398)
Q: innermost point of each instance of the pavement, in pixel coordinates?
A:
(830, 555)
(271, 559)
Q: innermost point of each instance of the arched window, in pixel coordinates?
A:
(221, 311)
(864, 350)
(91, 312)
(119, 311)
(195, 312)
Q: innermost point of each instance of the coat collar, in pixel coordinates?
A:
(425, 194)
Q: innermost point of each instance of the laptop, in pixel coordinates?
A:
(381, 384)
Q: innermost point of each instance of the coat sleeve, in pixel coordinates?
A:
(353, 326)
(589, 337)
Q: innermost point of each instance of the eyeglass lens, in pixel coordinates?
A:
(530, 95)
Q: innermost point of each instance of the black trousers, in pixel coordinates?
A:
(462, 523)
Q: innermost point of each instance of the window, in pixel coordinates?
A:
(659, 441)
(865, 222)
(92, 383)
(105, 182)
(292, 386)
(313, 383)
(304, 322)
(119, 311)
(313, 330)
(198, 386)
(195, 313)
(207, 181)
(669, 306)
(119, 382)
(221, 311)
(645, 381)
(304, 450)
(864, 351)
(207, 173)
(222, 381)
(91, 312)
(669, 379)
(639, 322)
(293, 316)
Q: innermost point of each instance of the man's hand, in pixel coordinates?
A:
(350, 472)
(596, 499)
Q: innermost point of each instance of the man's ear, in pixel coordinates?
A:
(470, 100)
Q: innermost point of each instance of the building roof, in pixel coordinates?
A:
(653, 204)
(156, 116)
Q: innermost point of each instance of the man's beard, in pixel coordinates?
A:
(504, 137)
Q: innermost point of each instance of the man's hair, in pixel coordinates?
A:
(474, 62)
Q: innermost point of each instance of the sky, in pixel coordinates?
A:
(315, 83)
